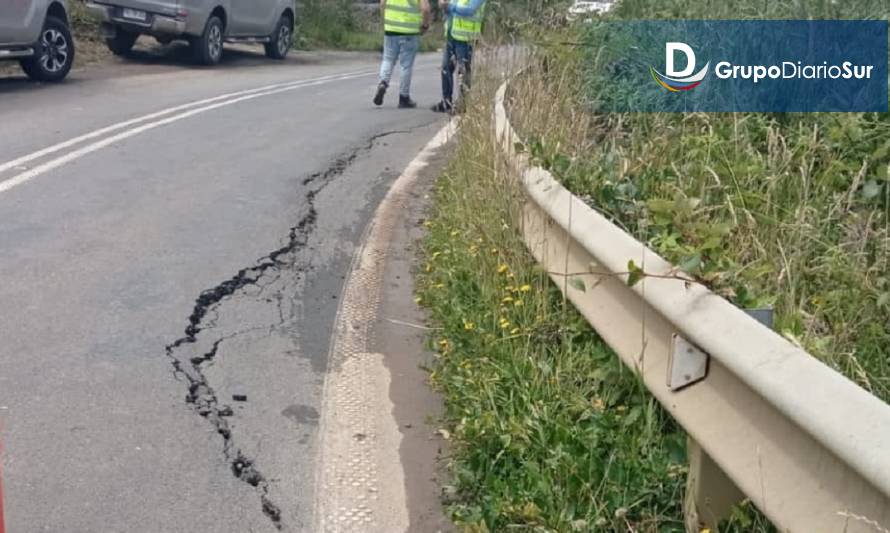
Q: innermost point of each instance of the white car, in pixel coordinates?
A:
(586, 9)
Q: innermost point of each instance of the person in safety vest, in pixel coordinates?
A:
(462, 28)
(403, 23)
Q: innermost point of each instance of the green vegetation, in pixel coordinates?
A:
(90, 46)
(546, 425)
(339, 24)
(788, 210)
(548, 430)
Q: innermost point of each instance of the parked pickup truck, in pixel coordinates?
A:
(35, 33)
(205, 24)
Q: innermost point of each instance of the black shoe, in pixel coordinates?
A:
(405, 102)
(441, 107)
(381, 90)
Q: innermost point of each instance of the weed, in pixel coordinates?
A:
(548, 430)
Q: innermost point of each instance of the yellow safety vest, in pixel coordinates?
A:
(403, 16)
(466, 29)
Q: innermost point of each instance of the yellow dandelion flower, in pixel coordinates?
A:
(436, 254)
(525, 288)
(418, 300)
(469, 326)
(505, 324)
(507, 299)
(515, 331)
(621, 408)
(455, 233)
(511, 275)
(440, 285)
(494, 250)
(518, 303)
(502, 269)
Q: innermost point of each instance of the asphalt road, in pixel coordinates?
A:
(169, 283)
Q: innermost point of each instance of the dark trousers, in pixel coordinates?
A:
(457, 53)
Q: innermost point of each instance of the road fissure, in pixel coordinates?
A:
(201, 396)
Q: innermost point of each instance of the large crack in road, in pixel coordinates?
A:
(201, 396)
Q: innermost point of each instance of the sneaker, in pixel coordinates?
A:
(405, 102)
(441, 107)
(381, 90)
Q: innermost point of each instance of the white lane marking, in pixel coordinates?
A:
(98, 145)
(121, 125)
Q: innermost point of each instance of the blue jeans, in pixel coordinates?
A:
(402, 48)
(456, 53)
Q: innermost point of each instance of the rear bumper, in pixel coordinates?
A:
(155, 24)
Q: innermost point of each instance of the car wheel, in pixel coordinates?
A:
(122, 42)
(208, 48)
(282, 39)
(54, 53)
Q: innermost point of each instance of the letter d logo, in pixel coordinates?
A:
(670, 53)
(679, 80)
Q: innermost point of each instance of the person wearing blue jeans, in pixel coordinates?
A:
(462, 27)
(404, 22)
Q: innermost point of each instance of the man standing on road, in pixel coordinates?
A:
(463, 26)
(404, 21)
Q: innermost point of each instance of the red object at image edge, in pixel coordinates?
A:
(2, 529)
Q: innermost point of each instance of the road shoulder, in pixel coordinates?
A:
(400, 335)
(377, 455)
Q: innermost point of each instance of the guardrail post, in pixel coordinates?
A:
(710, 494)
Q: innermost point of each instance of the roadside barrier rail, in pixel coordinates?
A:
(766, 420)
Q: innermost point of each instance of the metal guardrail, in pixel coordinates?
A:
(766, 420)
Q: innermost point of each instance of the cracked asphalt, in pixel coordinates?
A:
(167, 300)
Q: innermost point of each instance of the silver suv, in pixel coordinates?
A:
(36, 33)
(206, 24)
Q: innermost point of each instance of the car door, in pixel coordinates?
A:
(20, 21)
(254, 16)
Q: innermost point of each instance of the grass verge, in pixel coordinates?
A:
(339, 24)
(548, 430)
(790, 211)
(90, 46)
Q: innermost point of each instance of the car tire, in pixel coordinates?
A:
(282, 39)
(54, 53)
(208, 48)
(122, 42)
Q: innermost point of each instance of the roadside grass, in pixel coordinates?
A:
(90, 46)
(548, 430)
(339, 24)
(790, 211)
